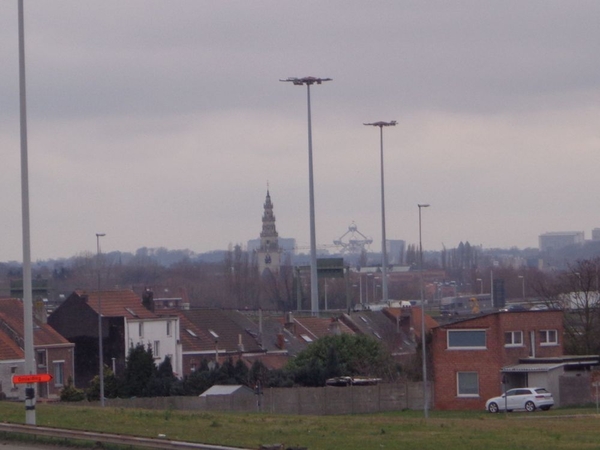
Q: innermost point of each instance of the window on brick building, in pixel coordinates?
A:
(548, 337)
(59, 373)
(467, 384)
(513, 339)
(466, 339)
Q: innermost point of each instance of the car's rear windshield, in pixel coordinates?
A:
(541, 391)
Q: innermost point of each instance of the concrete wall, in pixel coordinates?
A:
(312, 401)
(576, 390)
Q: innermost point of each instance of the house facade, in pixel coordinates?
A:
(53, 353)
(471, 358)
(125, 323)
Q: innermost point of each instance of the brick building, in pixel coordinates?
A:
(53, 353)
(470, 357)
(125, 324)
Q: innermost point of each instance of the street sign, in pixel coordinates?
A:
(27, 379)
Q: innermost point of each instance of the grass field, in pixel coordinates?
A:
(555, 429)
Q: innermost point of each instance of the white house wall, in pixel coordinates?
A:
(155, 330)
(6, 373)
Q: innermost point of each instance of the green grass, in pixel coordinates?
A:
(555, 429)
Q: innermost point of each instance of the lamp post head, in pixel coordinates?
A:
(424, 205)
(100, 234)
(381, 124)
(305, 80)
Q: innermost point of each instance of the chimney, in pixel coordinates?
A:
(240, 344)
(39, 311)
(334, 328)
(148, 299)
(280, 341)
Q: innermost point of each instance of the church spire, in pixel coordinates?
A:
(269, 252)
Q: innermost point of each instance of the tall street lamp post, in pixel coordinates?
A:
(384, 259)
(423, 341)
(100, 347)
(314, 281)
(27, 281)
(522, 285)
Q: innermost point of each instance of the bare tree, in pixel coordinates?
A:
(575, 291)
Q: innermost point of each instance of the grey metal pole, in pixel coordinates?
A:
(314, 281)
(384, 259)
(360, 288)
(423, 340)
(27, 283)
(492, 287)
(522, 286)
(100, 344)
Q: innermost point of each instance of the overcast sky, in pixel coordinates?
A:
(160, 123)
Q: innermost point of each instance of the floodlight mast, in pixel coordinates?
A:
(100, 337)
(314, 281)
(423, 340)
(384, 259)
(28, 344)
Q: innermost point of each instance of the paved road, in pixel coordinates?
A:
(9, 445)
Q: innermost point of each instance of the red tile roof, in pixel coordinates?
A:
(8, 348)
(11, 317)
(316, 327)
(196, 326)
(117, 303)
(416, 322)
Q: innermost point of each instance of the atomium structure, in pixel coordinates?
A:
(353, 241)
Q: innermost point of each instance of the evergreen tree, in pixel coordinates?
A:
(163, 380)
(139, 371)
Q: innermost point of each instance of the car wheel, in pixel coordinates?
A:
(493, 407)
(529, 406)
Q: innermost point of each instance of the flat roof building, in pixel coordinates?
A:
(560, 239)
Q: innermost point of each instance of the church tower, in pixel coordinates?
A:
(269, 253)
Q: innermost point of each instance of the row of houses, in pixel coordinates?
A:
(472, 359)
(66, 341)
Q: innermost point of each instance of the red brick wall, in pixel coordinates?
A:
(59, 354)
(488, 362)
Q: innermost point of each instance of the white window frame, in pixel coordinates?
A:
(467, 347)
(168, 328)
(58, 380)
(545, 338)
(156, 350)
(513, 342)
(467, 395)
(141, 329)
